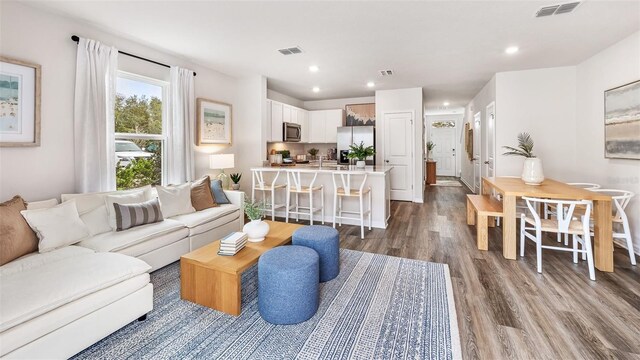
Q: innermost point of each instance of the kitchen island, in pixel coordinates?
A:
(377, 180)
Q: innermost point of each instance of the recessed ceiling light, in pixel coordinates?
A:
(371, 84)
(314, 68)
(511, 50)
(446, 103)
(316, 89)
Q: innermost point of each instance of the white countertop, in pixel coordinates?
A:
(328, 168)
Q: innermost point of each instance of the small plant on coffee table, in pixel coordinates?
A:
(253, 209)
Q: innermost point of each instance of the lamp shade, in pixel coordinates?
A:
(221, 161)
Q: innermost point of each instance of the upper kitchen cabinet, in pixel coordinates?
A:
(303, 120)
(276, 121)
(324, 125)
(279, 113)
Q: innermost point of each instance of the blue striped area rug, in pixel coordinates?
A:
(379, 307)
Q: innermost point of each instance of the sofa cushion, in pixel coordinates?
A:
(132, 215)
(205, 220)
(201, 196)
(218, 192)
(16, 237)
(27, 294)
(175, 200)
(34, 260)
(123, 199)
(116, 241)
(57, 227)
(43, 204)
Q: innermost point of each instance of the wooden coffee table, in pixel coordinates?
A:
(209, 279)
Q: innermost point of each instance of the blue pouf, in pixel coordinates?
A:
(326, 242)
(288, 288)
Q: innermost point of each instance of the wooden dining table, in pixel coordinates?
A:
(512, 188)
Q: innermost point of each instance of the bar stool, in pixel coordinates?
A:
(259, 183)
(294, 185)
(343, 188)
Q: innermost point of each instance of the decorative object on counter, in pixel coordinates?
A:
(313, 152)
(622, 122)
(361, 114)
(285, 154)
(213, 125)
(256, 229)
(235, 177)
(20, 103)
(361, 153)
(221, 162)
(532, 170)
(430, 146)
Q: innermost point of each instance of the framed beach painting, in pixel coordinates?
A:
(19, 103)
(361, 114)
(622, 122)
(213, 122)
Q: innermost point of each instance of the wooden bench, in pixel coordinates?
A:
(484, 206)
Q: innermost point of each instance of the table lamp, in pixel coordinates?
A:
(221, 162)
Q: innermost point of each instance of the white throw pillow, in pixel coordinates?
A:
(128, 198)
(44, 204)
(56, 227)
(175, 200)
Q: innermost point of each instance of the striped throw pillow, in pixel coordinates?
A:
(130, 215)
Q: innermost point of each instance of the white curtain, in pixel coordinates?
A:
(180, 163)
(93, 116)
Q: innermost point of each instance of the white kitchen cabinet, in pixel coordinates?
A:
(276, 121)
(286, 113)
(303, 120)
(316, 126)
(333, 120)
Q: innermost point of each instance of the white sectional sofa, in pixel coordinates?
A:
(57, 303)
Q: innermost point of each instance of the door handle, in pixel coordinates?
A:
(486, 162)
(387, 161)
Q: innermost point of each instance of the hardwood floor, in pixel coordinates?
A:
(506, 310)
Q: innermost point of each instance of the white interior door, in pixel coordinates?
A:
(477, 152)
(490, 133)
(398, 140)
(445, 151)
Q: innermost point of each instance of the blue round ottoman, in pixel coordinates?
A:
(326, 242)
(288, 288)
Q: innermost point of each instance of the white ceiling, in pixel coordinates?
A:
(450, 49)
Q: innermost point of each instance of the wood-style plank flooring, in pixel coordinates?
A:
(505, 309)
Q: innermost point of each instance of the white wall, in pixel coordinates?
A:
(614, 66)
(403, 100)
(541, 102)
(44, 38)
(286, 99)
(337, 103)
(459, 121)
(478, 104)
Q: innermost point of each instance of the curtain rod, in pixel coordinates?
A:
(77, 39)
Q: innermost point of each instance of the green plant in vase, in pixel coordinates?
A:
(532, 173)
(235, 177)
(360, 152)
(256, 229)
(313, 152)
(430, 146)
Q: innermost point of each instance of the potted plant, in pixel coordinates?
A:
(532, 170)
(256, 229)
(236, 180)
(430, 146)
(313, 152)
(360, 152)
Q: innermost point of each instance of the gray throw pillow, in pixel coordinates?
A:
(131, 215)
(218, 192)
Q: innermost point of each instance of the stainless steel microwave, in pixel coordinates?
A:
(291, 132)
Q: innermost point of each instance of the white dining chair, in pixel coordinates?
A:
(532, 226)
(345, 185)
(261, 183)
(296, 185)
(550, 211)
(620, 200)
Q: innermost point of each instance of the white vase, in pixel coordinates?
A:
(360, 163)
(532, 171)
(256, 230)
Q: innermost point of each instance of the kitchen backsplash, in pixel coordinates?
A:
(299, 149)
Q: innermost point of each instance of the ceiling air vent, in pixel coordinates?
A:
(386, 72)
(291, 51)
(557, 9)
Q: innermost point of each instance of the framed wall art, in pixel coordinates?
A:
(361, 114)
(19, 103)
(622, 122)
(213, 123)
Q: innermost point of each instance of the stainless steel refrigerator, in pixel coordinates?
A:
(348, 135)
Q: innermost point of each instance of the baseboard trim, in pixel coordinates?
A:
(466, 184)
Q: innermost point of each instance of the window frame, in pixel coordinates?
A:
(165, 118)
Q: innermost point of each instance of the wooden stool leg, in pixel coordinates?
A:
(491, 221)
(482, 233)
(471, 214)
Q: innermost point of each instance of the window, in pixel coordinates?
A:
(140, 117)
(443, 124)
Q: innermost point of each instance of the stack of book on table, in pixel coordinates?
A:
(232, 243)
